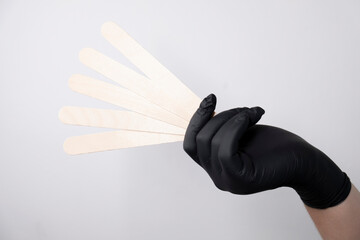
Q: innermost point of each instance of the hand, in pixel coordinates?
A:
(244, 158)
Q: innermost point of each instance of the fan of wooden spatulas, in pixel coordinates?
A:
(159, 106)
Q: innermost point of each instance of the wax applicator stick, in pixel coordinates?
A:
(124, 98)
(115, 140)
(133, 81)
(115, 119)
(150, 66)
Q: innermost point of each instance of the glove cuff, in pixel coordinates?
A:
(322, 200)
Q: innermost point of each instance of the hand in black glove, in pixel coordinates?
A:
(244, 158)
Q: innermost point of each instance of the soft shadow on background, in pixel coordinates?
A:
(299, 60)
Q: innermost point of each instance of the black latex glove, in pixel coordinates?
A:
(244, 158)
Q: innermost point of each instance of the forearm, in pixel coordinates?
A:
(339, 222)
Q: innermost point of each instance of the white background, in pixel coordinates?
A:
(299, 60)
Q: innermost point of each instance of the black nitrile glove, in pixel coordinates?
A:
(245, 158)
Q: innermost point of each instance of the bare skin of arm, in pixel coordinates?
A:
(341, 222)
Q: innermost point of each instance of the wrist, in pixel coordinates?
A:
(322, 183)
(324, 193)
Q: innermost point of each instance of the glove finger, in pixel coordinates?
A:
(228, 137)
(252, 116)
(255, 115)
(206, 134)
(202, 115)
